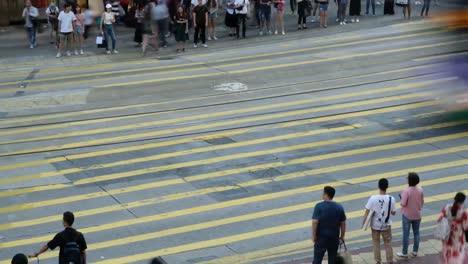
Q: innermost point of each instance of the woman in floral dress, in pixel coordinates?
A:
(453, 250)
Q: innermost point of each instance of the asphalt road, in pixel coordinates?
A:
(219, 155)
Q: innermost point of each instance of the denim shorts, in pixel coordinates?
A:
(213, 15)
(323, 6)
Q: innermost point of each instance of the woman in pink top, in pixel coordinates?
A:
(412, 200)
(80, 30)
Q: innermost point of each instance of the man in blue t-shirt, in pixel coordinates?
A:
(327, 221)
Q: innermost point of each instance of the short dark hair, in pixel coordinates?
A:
(413, 179)
(69, 218)
(158, 260)
(19, 259)
(330, 191)
(66, 5)
(383, 184)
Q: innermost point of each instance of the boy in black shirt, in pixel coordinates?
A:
(200, 21)
(69, 241)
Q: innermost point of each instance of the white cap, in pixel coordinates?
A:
(108, 6)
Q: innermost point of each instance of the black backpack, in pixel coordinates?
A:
(72, 253)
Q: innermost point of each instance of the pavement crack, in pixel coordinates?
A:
(231, 249)
(117, 200)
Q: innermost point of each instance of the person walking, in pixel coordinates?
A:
(139, 27)
(301, 12)
(30, 14)
(52, 13)
(342, 4)
(241, 9)
(380, 207)
(107, 28)
(89, 21)
(72, 243)
(453, 249)
(148, 27)
(181, 30)
(411, 201)
(427, 4)
(354, 10)
(279, 16)
(212, 16)
(79, 30)
(328, 227)
(66, 26)
(200, 21)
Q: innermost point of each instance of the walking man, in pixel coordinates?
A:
(71, 243)
(328, 227)
(30, 15)
(381, 206)
(66, 26)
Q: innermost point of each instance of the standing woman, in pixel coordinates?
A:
(355, 10)
(241, 9)
(212, 16)
(412, 201)
(323, 5)
(301, 11)
(181, 30)
(79, 30)
(231, 18)
(389, 7)
(139, 16)
(453, 250)
(407, 10)
(279, 16)
(427, 4)
(107, 28)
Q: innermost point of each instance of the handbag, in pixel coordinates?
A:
(101, 42)
(344, 256)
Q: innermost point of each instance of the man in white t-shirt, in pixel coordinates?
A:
(381, 206)
(66, 28)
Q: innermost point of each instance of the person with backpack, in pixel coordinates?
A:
(72, 243)
(412, 201)
(455, 215)
(52, 13)
(379, 207)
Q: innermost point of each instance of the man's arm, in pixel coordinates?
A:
(315, 223)
(194, 15)
(365, 216)
(41, 250)
(343, 230)
(206, 19)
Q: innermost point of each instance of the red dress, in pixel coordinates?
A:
(453, 250)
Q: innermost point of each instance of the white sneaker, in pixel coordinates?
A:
(195, 45)
(313, 20)
(337, 20)
(215, 38)
(284, 33)
(401, 255)
(260, 33)
(76, 53)
(357, 20)
(344, 23)
(31, 46)
(58, 55)
(414, 254)
(204, 45)
(108, 52)
(269, 32)
(352, 20)
(209, 38)
(68, 54)
(276, 32)
(341, 23)
(81, 52)
(115, 52)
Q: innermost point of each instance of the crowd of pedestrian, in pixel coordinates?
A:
(329, 226)
(156, 20)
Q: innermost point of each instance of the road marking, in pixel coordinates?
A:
(175, 131)
(249, 183)
(441, 56)
(169, 182)
(276, 66)
(14, 120)
(209, 115)
(241, 218)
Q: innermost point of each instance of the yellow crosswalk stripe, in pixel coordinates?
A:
(241, 218)
(14, 120)
(216, 114)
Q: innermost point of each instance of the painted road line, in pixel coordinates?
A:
(235, 219)
(15, 120)
(209, 115)
(57, 173)
(276, 66)
(204, 64)
(135, 204)
(441, 56)
(171, 182)
(175, 131)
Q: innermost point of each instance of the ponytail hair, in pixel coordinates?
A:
(459, 198)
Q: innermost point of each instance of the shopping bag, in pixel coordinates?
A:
(401, 2)
(368, 221)
(344, 256)
(99, 40)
